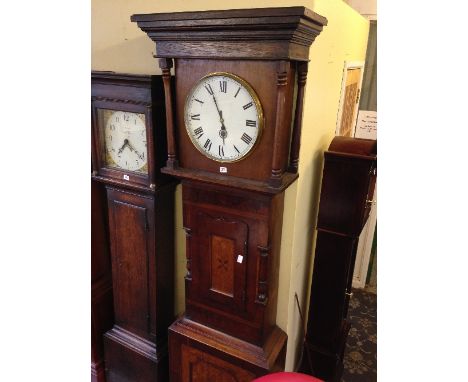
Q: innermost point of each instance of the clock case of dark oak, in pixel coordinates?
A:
(233, 219)
(348, 183)
(140, 224)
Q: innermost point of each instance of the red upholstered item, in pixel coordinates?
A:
(287, 377)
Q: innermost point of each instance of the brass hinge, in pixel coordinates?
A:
(358, 95)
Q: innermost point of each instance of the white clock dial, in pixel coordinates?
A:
(223, 117)
(125, 140)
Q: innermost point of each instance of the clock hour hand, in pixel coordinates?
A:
(123, 146)
(223, 132)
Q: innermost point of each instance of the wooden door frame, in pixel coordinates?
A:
(364, 248)
(348, 65)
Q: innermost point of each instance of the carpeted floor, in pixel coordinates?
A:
(360, 359)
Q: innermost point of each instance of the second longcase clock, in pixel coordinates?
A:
(128, 150)
(348, 184)
(234, 118)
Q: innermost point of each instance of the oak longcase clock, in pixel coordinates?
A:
(234, 119)
(129, 147)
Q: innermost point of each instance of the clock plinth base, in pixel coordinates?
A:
(199, 353)
(98, 371)
(133, 359)
(325, 362)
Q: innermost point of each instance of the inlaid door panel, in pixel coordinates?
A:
(221, 262)
(199, 366)
(130, 217)
(222, 251)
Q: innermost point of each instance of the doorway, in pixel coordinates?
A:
(349, 99)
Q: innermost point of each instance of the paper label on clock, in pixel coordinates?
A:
(240, 258)
(126, 177)
(223, 169)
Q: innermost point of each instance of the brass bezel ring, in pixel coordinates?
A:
(258, 105)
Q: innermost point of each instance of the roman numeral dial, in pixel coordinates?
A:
(223, 117)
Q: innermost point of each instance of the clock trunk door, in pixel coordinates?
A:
(220, 268)
(132, 250)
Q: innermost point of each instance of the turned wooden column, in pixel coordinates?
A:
(279, 148)
(166, 64)
(302, 68)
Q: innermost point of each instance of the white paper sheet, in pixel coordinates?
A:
(366, 126)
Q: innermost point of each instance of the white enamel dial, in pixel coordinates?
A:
(125, 140)
(223, 117)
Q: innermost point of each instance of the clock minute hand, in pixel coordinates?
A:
(217, 108)
(130, 146)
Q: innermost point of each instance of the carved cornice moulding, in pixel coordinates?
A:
(261, 33)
